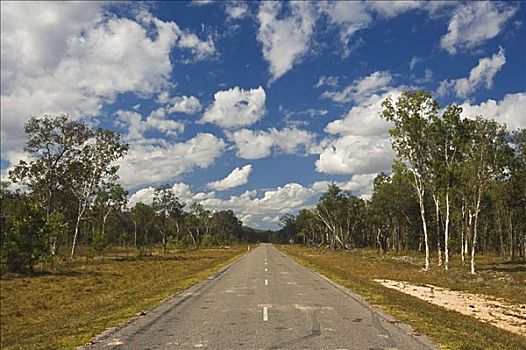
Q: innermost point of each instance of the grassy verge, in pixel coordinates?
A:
(66, 308)
(357, 270)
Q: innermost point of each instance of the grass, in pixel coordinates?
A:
(357, 270)
(67, 307)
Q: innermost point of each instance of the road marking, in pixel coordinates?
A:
(266, 270)
(266, 263)
(265, 313)
(266, 282)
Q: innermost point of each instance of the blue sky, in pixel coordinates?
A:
(253, 106)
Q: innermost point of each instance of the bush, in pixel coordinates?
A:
(181, 244)
(208, 241)
(28, 240)
(99, 243)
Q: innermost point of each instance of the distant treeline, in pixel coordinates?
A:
(457, 185)
(70, 196)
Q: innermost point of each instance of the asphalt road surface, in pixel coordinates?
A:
(264, 300)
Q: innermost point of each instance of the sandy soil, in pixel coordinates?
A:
(499, 313)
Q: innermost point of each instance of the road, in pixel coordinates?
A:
(264, 300)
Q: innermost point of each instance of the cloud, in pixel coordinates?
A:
(284, 40)
(352, 16)
(313, 112)
(510, 110)
(157, 119)
(349, 17)
(364, 119)
(323, 80)
(480, 75)
(200, 2)
(428, 77)
(145, 195)
(236, 107)
(136, 126)
(236, 10)
(263, 210)
(414, 61)
(238, 177)
(74, 58)
(257, 144)
(474, 23)
(391, 9)
(149, 163)
(184, 104)
(352, 154)
(362, 88)
(363, 145)
(285, 199)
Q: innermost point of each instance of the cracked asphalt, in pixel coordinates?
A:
(264, 300)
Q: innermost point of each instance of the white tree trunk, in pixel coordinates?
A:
(474, 241)
(446, 233)
(424, 226)
(437, 218)
(82, 208)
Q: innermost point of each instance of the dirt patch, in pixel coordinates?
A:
(510, 317)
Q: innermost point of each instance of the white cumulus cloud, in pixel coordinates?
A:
(474, 23)
(255, 144)
(148, 163)
(511, 110)
(361, 89)
(480, 75)
(285, 40)
(363, 145)
(184, 104)
(238, 177)
(236, 107)
(72, 57)
(236, 10)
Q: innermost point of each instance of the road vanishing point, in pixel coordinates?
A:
(264, 300)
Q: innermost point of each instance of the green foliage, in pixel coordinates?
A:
(468, 173)
(27, 241)
(99, 243)
(208, 241)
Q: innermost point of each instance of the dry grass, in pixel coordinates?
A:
(67, 307)
(357, 270)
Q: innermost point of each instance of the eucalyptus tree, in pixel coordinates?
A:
(169, 210)
(111, 197)
(226, 226)
(411, 116)
(308, 227)
(94, 167)
(448, 140)
(54, 144)
(197, 222)
(328, 211)
(484, 161)
(143, 217)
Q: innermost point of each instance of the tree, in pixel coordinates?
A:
(169, 211)
(27, 241)
(448, 141)
(411, 116)
(53, 145)
(142, 216)
(110, 198)
(483, 162)
(226, 226)
(93, 169)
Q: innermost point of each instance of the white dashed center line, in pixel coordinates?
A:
(266, 282)
(265, 313)
(266, 270)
